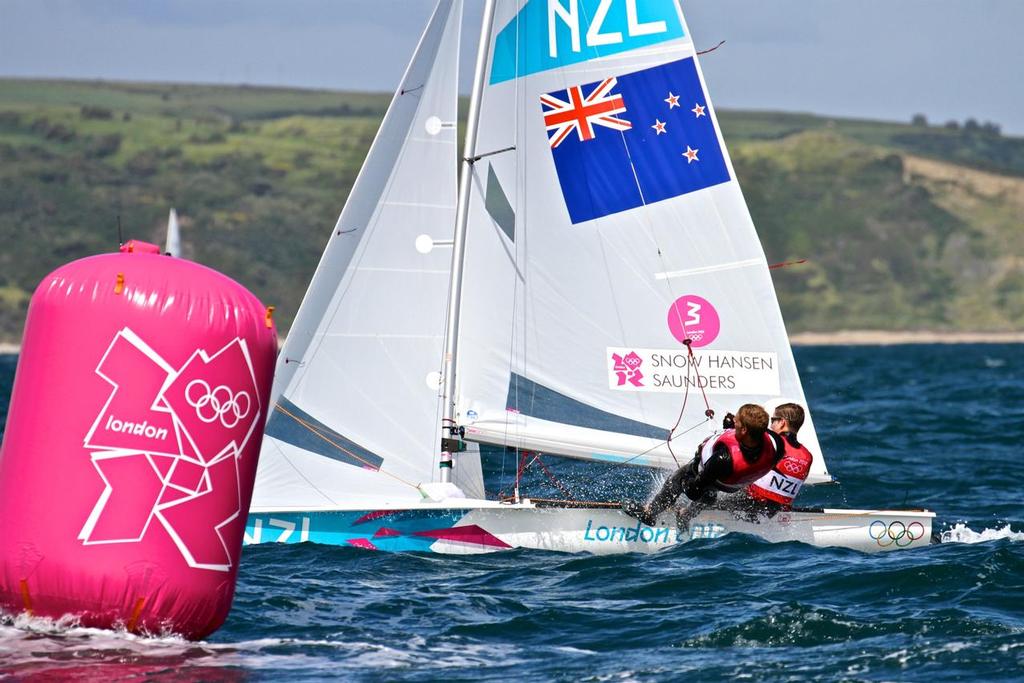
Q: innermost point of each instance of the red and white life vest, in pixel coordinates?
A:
(783, 482)
(743, 471)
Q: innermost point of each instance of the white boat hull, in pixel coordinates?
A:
(455, 527)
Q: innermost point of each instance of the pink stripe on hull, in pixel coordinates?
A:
(470, 533)
(376, 514)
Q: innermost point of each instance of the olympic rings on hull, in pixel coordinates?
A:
(219, 403)
(895, 533)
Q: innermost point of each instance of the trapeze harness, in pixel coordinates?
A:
(743, 471)
(783, 482)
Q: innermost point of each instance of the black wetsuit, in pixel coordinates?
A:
(698, 482)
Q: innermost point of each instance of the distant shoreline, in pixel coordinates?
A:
(841, 338)
(886, 338)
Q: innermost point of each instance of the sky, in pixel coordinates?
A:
(880, 59)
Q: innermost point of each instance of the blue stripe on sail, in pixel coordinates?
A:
(535, 400)
(529, 44)
(292, 425)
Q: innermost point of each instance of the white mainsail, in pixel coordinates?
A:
(612, 230)
(356, 416)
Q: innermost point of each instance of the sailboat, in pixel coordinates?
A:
(583, 287)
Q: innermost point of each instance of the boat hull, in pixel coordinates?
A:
(596, 530)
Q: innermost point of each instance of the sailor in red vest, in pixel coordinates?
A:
(776, 490)
(729, 462)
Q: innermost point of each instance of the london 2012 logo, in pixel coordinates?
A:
(895, 533)
(627, 368)
(166, 445)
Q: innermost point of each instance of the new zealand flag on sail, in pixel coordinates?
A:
(632, 140)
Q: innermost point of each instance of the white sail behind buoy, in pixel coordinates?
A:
(173, 246)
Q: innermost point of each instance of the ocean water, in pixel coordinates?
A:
(930, 426)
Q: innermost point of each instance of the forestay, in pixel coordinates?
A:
(612, 231)
(356, 416)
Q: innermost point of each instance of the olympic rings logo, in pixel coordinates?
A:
(792, 467)
(219, 403)
(896, 533)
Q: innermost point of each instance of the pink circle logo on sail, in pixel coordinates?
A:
(693, 317)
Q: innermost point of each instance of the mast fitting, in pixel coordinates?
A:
(478, 157)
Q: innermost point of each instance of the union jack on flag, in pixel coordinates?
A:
(580, 114)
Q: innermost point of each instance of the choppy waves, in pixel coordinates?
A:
(913, 426)
(961, 533)
(719, 608)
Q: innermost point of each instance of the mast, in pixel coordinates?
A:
(461, 220)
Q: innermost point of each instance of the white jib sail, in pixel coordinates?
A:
(356, 416)
(612, 232)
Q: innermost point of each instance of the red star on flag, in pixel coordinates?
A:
(673, 100)
(659, 127)
(691, 155)
(698, 110)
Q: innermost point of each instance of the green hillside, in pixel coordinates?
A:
(904, 227)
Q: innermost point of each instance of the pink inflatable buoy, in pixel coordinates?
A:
(131, 444)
